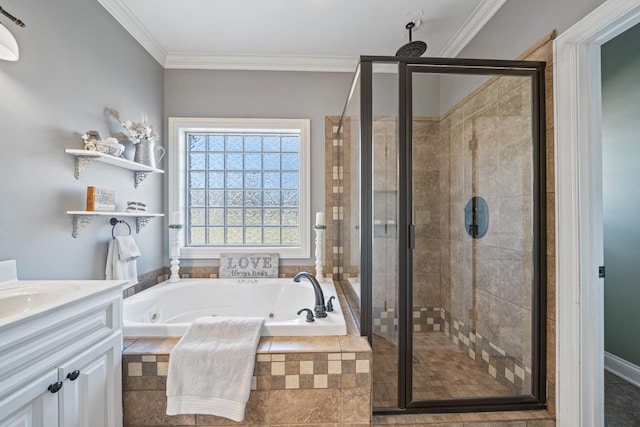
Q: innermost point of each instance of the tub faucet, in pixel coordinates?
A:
(320, 310)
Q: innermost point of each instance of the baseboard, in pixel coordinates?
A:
(622, 368)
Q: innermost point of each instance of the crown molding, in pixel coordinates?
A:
(338, 64)
(480, 16)
(119, 10)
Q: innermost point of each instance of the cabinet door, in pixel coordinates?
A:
(92, 392)
(33, 405)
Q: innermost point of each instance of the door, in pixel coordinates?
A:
(34, 405)
(92, 389)
(475, 269)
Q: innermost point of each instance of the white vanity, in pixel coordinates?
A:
(60, 352)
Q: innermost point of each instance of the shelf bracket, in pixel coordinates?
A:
(139, 176)
(82, 163)
(141, 221)
(79, 222)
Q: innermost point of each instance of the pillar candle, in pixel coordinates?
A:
(175, 218)
(320, 218)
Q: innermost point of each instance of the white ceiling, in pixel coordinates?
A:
(302, 35)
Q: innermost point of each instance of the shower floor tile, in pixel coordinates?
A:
(440, 371)
(385, 372)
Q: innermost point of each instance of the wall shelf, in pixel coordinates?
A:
(80, 219)
(84, 159)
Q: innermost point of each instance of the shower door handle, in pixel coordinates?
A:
(412, 236)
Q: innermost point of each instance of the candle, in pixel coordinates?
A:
(175, 218)
(320, 218)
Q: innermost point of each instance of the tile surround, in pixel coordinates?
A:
(287, 389)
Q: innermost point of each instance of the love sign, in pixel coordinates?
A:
(248, 265)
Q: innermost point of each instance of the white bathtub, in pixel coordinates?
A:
(167, 309)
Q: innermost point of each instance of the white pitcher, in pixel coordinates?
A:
(145, 153)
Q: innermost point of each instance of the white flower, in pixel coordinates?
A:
(137, 131)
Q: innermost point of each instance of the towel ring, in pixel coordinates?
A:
(116, 221)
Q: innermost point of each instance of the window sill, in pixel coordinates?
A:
(214, 253)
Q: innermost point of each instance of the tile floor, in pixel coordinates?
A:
(440, 369)
(621, 402)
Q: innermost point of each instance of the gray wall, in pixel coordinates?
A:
(510, 32)
(75, 59)
(621, 193)
(262, 94)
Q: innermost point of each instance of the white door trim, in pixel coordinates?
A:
(579, 249)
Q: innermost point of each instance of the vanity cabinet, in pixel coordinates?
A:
(63, 368)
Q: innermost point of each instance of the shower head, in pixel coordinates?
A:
(412, 48)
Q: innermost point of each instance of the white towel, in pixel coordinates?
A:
(118, 269)
(211, 367)
(127, 248)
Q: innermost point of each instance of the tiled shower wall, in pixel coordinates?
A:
(481, 147)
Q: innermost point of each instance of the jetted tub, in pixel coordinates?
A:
(167, 309)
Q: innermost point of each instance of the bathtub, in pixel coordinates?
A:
(167, 309)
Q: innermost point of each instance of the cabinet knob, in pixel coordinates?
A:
(55, 387)
(73, 375)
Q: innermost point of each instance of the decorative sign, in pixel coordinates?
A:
(248, 265)
(100, 200)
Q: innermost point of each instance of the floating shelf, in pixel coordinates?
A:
(83, 218)
(84, 159)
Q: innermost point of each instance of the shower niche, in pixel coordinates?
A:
(446, 229)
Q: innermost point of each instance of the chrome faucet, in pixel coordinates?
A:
(320, 309)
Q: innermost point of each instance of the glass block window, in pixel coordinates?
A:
(242, 187)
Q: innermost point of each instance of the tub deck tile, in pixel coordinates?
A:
(304, 344)
(353, 344)
(152, 346)
(264, 345)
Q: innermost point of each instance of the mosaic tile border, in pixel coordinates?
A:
(334, 192)
(289, 371)
(338, 176)
(506, 369)
(158, 276)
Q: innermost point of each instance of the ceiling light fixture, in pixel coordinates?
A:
(8, 44)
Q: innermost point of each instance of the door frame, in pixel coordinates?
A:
(578, 186)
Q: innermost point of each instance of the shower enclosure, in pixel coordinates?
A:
(445, 225)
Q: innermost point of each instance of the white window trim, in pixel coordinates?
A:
(179, 126)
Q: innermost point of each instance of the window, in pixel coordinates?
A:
(241, 185)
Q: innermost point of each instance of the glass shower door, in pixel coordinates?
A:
(472, 160)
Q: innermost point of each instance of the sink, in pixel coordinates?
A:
(29, 297)
(22, 300)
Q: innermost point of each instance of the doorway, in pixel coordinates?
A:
(579, 244)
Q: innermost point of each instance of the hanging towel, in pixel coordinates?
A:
(118, 269)
(211, 367)
(127, 248)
